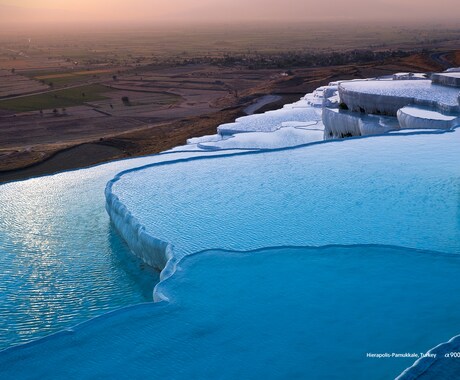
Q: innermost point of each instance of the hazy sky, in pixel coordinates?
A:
(227, 10)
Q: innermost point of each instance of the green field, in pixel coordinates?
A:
(56, 99)
(64, 78)
(160, 99)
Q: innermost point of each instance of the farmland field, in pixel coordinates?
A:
(55, 99)
(139, 90)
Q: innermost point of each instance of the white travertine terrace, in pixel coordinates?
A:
(417, 103)
(409, 76)
(341, 123)
(387, 97)
(420, 118)
(451, 78)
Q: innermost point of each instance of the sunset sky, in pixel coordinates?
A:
(226, 10)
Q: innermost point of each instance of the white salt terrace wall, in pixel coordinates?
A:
(387, 97)
(341, 123)
(370, 103)
(451, 79)
(281, 138)
(269, 121)
(152, 251)
(419, 118)
(409, 76)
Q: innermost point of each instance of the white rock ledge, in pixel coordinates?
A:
(342, 123)
(451, 79)
(421, 118)
(387, 97)
(149, 249)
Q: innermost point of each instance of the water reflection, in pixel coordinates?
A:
(61, 261)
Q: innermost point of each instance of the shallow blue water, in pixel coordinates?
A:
(269, 310)
(393, 190)
(282, 313)
(60, 261)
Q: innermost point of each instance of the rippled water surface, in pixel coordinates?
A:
(283, 313)
(392, 190)
(60, 260)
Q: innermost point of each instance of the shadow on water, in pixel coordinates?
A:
(140, 277)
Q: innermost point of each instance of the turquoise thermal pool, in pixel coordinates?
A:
(290, 262)
(230, 315)
(61, 260)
